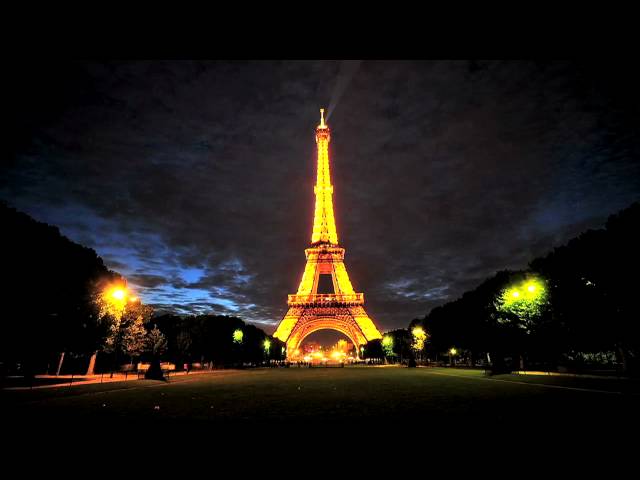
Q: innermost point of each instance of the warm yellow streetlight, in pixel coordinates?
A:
(525, 294)
(419, 339)
(452, 353)
(114, 303)
(115, 299)
(118, 293)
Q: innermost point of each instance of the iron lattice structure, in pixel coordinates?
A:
(310, 311)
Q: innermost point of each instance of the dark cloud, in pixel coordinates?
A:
(147, 281)
(196, 179)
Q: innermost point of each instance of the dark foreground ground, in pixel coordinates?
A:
(363, 403)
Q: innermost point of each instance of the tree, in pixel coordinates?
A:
(277, 350)
(523, 302)
(222, 340)
(521, 306)
(419, 340)
(156, 342)
(183, 345)
(49, 281)
(127, 333)
(387, 346)
(373, 349)
(134, 338)
(582, 304)
(593, 289)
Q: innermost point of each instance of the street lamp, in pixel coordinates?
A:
(524, 296)
(419, 337)
(524, 302)
(118, 294)
(452, 353)
(111, 301)
(237, 336)
(115, 299)
(387, 345)
(267, 347)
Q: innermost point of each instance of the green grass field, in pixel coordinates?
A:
(382, 398)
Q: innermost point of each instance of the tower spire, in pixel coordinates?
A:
(324, 225)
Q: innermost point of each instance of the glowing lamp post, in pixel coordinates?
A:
(118, 294)
(419, 338)
(387, 345)
(114, 303)
(267, 347)
(452, 353)
(525, 301)
(237, 336)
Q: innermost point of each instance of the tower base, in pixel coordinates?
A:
(300, 322)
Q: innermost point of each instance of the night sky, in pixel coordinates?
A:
(195, 179)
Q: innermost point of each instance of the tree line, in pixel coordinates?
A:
(575, 308)
(217, 340)
(58, 305)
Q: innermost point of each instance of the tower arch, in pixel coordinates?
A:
(311, 325)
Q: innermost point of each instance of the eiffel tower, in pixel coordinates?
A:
(310, 311)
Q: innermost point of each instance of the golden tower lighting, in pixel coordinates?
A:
(310, 311)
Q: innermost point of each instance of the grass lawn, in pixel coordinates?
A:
(391, 399)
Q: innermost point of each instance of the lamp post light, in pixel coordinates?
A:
(237, 336)
(387, 346)
(116, 298)
(452, 353)
(267, 347)
(525, 301)
(419, 337)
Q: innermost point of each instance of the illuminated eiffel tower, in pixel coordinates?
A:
(310, 311)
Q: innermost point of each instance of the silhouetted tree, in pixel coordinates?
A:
(373, 349)
(590, 307)
(210, 338)
(48, 282)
